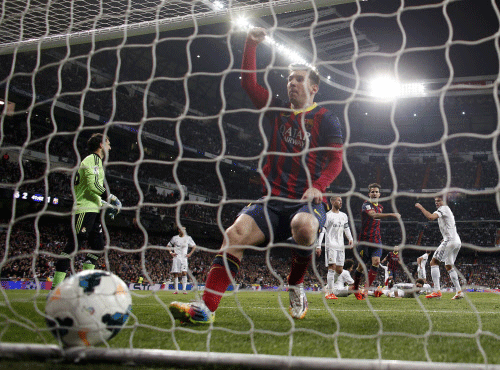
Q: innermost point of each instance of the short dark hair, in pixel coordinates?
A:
(95, 141)
(348, 263)
(420, 281)
(374, 185)
(313, 72)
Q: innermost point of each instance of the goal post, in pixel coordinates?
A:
(152, 357)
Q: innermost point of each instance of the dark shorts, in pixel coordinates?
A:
(88, 227)
(280, 215)
(367, 252)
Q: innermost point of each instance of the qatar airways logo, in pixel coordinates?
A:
(296, 136)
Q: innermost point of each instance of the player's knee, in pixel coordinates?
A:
(236, 234)
(304, 228)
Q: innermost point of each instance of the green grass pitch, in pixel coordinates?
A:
(466, 331)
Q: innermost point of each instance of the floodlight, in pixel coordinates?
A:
(243, 23)
(389, 88)
(384, 87)
(218, 5)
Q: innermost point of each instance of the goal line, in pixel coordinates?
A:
(152, 357)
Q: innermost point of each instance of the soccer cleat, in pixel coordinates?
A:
(176, 292)
(377, 293)
(434, 295)
(459, 295)
(194, 312)
(184, 292)
(359, 296)
(331, 296)
(298, 301)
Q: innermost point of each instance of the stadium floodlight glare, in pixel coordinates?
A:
(389, 88)
(218, 5)
(241, 23)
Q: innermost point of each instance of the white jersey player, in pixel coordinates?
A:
(341, 288)
(421, 262)
(336, 225)
(404, 290)
(179, 245)
(448, 249)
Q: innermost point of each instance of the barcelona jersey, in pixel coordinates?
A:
(297, 149)
(370, 227)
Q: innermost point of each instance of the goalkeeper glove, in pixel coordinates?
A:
(114, 206)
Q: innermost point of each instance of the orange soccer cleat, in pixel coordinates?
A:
(359, 296)
(434, 295)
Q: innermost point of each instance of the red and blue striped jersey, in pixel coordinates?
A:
(370, 227)
(299, 145)
(393, 260)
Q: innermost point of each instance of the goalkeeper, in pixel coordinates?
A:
(90, 194)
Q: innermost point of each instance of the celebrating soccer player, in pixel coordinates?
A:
(305, 146)
(336, 225)
(371, 213)
(448, 249)
(90, 197)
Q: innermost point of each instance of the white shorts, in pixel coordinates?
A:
(447, 252)
(179, 264)
(421, 274)
(334, 256)
(341, 292)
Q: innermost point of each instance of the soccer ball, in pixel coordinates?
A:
(89, 308)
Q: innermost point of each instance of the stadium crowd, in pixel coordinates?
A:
(415, 169)
(130, 258)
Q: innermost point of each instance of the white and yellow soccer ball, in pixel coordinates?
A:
(88, 308)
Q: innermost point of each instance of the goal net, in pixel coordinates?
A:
(414, 85)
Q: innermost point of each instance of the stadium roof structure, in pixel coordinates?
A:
(116, 23)
(192, 44)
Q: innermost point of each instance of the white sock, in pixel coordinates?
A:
(454, 279)
(329, 281)
(435, 277)
(176, 284)
(184, 282)
(335, 277)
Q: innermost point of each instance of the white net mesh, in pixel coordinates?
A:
(162, 80)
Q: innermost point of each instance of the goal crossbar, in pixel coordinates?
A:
(165, 24)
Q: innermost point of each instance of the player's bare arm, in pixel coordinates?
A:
(426, 213)
(192, 251)
(376, 215)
